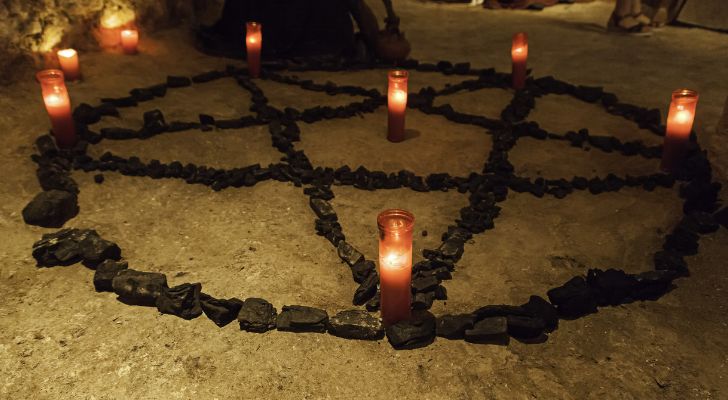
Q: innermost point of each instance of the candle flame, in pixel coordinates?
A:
(128, 32)
(66, 53)
(252, 40)
(393, 260)
(683, 116)
(399, 96)
(53, 99)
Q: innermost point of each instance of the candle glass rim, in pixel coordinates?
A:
(685, 94)
(399, 74)
(50, 75)
(407, 216)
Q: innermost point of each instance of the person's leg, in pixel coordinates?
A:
(623, 18)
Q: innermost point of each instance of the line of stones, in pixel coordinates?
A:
(455, 236)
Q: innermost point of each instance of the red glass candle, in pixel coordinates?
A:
(680, 119)
(395, 264)
(58, 105)
(68, 59)
(129, 40)
(519, 55)
(253, 46)
(397, 104)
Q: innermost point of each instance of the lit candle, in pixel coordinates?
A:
(519, 55)
(253, 46)
(679, 125)
(397, 104)
(395, 264)
(129, 40)
(58, 105)
(68, 58)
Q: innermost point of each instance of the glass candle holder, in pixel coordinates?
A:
(129, 41)
(519, 56)
(680, 119)
(68, 59)
(58, 105)
(396, 104)
(395, 264)
(253, 47)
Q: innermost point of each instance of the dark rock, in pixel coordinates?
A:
(653, 284)
(362, 269)
(356, 324)
(46, 146)
(182, 301)
(500, 310)
(323, 209)
(208, 76)
(452, 249)
(700, 222)
(137, 287)
(178, 81)
(670, 261)
(99, 178)
(423, 300)
(128, 101)
(366, 289)
(349, 253)
(51, 209)
(141, 94)
(492, 330)
(539, 307)
(683, 241)
(610, 287)
(54, 177)
(107, 109)
(722, 217)
(257, 315)
(302, 319)
(86, 114)
(418, 331)
(454, 326)
(119, 133)
(220, 311)
(105, 273)
(95, 250)
(525, 327)
(154, 122)
(424, 284)
(573, 299)
(440, 293)
(206, 119)
(373, 303)
(60, 248)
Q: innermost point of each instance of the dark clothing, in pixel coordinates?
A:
(291, 27)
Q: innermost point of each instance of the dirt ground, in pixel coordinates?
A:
(59, 339)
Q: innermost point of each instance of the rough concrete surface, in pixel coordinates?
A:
(61, 340)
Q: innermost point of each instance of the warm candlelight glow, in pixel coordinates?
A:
(253, 47)
(397, 104)
(129, 40)
(519, 57)
(679, 125)
(58, 105)
(68, 59)
(395, 264)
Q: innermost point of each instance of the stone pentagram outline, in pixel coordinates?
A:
(485, 189)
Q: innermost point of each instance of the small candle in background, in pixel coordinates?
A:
(519, 56)
(395, 264)
(680, 119)
(253, 47)
(129, 40)
(58, 105)
(68, 59)
(396, 104)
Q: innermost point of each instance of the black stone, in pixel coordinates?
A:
(373, 303)
(492, 330)
(722, 217)
(141, 94)
(54, 177)
(323, 209)
(95, 250)
(356, 324)
(46, 146)
(182, 301)
(653, 284)
(349, 253)
(700, 222)
(440, 293)
(525, 327)
(683, 241)
(154, 122)
(119, 133)
(611, 287)
(99, 178)
(500, 310)
(51, 209)
(86, 114)
(362, 269)
(60, 248)
(454, 326)
(574, 299)
(670, 261)
(220, 311)
(418, 331)
(423, 300)
(302, 319)
(137, 287)
(424, 284)
(539, 307)
(105, 273)
(128, 101)
(178, 81)
(206, 119)
(367, 289)
(257, 315)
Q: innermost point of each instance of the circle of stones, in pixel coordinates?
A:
(529, 322)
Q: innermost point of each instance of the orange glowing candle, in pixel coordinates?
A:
(395, 264)
(253, 46)
(519, 55)
(679, 125)
(68, 58)
(129, 40)
(58, 105)
(397, 104)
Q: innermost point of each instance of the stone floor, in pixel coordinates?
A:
(60, 339)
